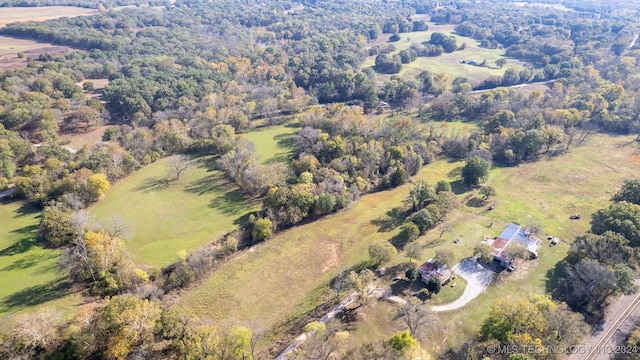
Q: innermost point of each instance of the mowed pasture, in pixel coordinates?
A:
(29, 275)
(288, 276)
(448, 63)
(273, 143)
(185, 214)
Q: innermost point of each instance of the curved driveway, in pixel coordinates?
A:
(477, 277)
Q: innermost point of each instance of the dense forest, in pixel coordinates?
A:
(188, 77)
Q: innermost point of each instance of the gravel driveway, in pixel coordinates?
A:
(477, 277)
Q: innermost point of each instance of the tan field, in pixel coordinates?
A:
(10, 47)
(11, 15)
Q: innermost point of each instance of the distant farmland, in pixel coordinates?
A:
(10, 47)
(11, 14)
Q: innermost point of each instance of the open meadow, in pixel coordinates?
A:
(29, 276)
(286, 277)
(273, 143)
(77, 140)
(448, 63)
(185, 214)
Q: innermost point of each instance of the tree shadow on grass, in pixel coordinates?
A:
(433, 243)
(213, 184)
(23, 245)
(458, 187)
(30, 261)
(391, 220)
(399, 241)
(153, 184)
(208, 162)
(27, 209)
(286, 140)
(552, 277)
(231, 202)
(37, 294)
(400, 286)
(281, 158)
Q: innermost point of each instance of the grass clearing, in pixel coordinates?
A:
(287, 276)
(10, 47)
(273, 143)
(77, 141)
(448, 63)
(186, 214)
(29, 276)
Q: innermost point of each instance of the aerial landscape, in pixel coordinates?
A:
(319, 179)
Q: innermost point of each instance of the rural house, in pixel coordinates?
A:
(432, 269)
(512, 235)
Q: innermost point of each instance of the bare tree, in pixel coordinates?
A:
(413, 251)
(78, 251)
(74, 201)
(362, 284)
(177, 166)
(534, 227)
(340, 283)
(416, 317)
(39, 329)
(117, 227)
(445, 228)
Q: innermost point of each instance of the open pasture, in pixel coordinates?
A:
(183, 215)
(288, 275)
(22, 258)
(448, 63)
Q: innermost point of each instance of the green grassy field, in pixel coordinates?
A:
(273, 143)
(188, 213)
(287, 275)
(448, 63)
(29, 276)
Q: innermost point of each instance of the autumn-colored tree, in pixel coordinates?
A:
(125, 323)
(97, 187)
(104, 251)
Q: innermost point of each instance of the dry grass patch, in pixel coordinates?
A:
(10, 47)
(77, 141)
(288, 275)
(21, 14)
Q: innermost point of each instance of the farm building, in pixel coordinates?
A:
(432, 269)
(512, 237)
